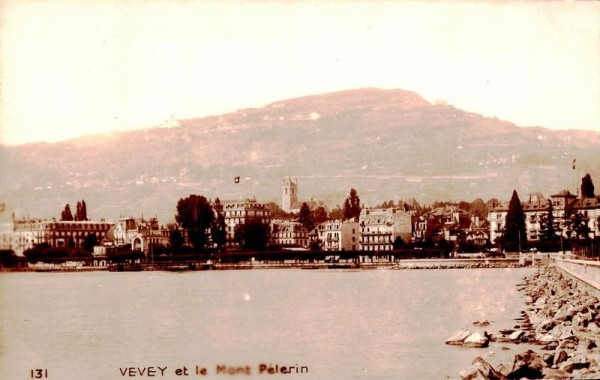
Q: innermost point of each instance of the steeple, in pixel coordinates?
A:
(289, 193)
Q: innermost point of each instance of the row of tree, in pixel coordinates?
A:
(45, 252)
(80, 212)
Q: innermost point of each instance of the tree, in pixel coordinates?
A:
(176, 240)
(89, 242)
(398, 243)
(77, 211)
(79, 253)
(34, 254)
(352, 205)
(548, 226)
(81, 211)
(577, 225)
(465, 206)
(218, 229)
(252, 235)
(320, 215)
(587, 187)
(305, 217)
(7, 258)
(336, 213)
(276, 211)
(195, 214)
(478, 207)
(66, 215)
(315, 245)
(515, 235)
(549, 231)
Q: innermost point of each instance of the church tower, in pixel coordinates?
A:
(289, 193)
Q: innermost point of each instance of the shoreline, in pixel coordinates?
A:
(193, 267)
(561, 319)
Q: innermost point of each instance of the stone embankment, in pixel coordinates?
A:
(561, 319)
(456, 264)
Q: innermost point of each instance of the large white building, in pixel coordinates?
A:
(140, 233)
(240, 212)
(28, 233)
(379, 228)
(288, 233)
(536, 207)
(590, 208)
(338, 235)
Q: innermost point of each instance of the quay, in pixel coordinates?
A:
(397, 264)
(586, 273)
(246, 260)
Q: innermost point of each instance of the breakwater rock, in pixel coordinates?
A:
(562, 319)
(466, 338)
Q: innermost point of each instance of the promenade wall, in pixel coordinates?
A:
(585, 272)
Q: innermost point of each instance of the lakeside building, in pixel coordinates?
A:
(590, 209)
(337, 235)
(478, 232)
(288, 233)
(379, 228)
(6, 235)
(29, 232)
(497, 219)
(427, 228)
(140, 233)
(564, 205)
(448, 222)
(240, 212)
(534, 209)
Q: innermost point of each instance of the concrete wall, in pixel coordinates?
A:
(586, 272)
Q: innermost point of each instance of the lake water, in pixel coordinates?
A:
(378, 324)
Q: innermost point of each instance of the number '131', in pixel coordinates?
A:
(39, 373)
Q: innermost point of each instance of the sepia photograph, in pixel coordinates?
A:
(299, 189)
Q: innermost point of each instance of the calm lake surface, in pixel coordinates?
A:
(378, 324)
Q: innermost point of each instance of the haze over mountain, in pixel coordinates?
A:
(388, 144)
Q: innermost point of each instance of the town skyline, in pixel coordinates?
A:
(203, 224)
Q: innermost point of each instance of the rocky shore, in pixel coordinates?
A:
(563, 322)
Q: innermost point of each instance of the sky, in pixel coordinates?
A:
(73, 68)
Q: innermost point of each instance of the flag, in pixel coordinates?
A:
(236, 180)
(574, 160)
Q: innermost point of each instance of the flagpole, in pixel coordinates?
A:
(576, 177)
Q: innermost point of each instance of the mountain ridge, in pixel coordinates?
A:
(388, 144)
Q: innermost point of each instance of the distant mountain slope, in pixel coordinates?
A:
(388, 144)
